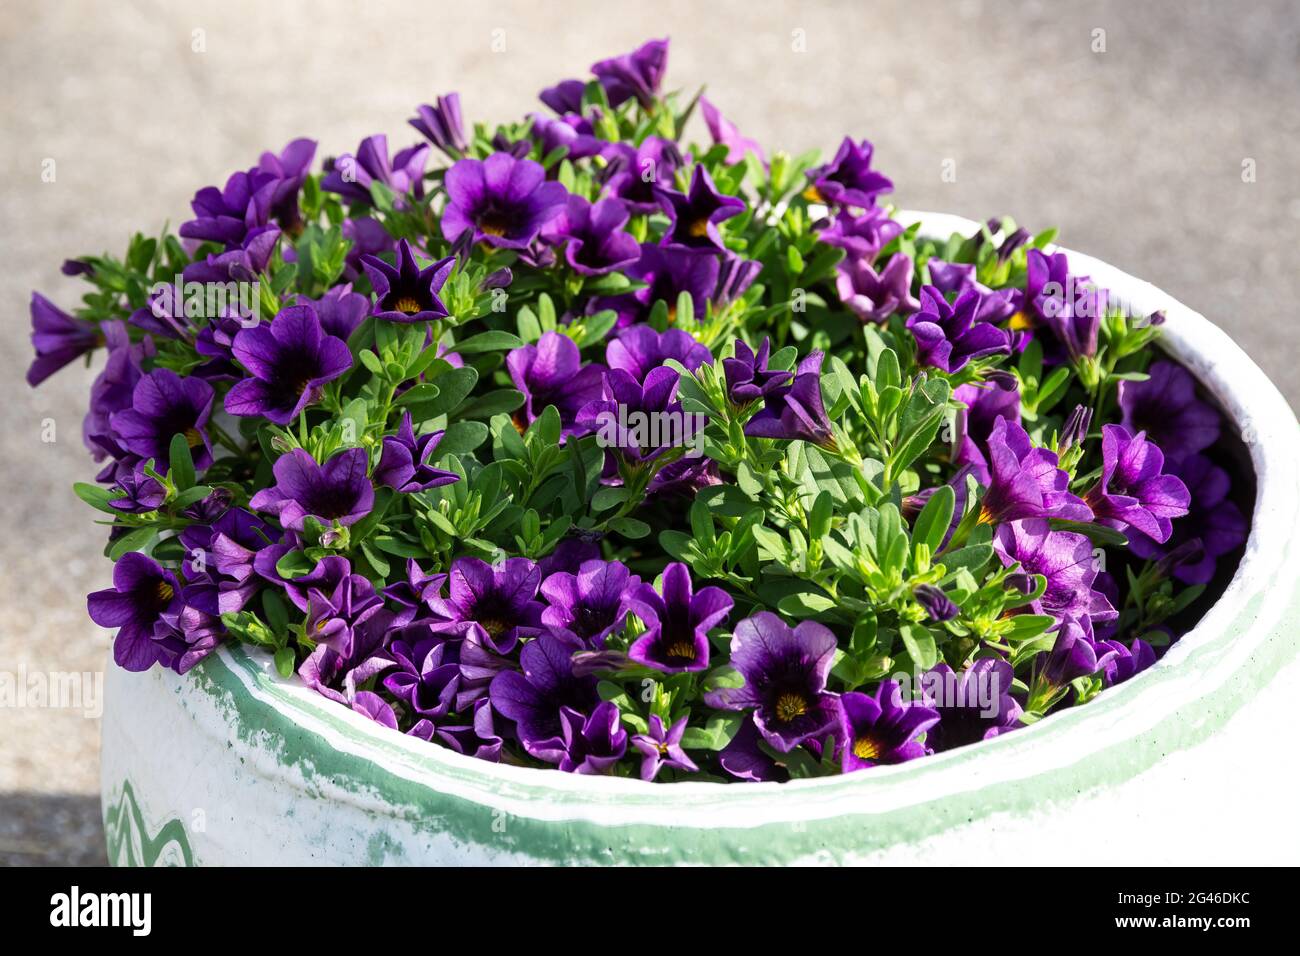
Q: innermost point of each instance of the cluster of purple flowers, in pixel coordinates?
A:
(417, 472)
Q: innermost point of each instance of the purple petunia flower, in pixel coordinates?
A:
(592, 236)
(426, 678)
(534, 697)
(442, 125)
(334, 617)
(874, 296)
(500, 599)
(551, 373)
(861, 236)
(1065, 304)
(353, 176)
(667, 272)
(747, 375)
(995, 399)
(1127, 662)
(639, 349)
(949, 336)
(634, 75)
(744, 759)
(696, 213)
(848, 179)
(142, 592)
(289, 360)
(795, 411)
(219, 561)
(289, 167)
(405, 292)
(638, 422)
(724, 131)
(227, 215)
(574, 133)
(164, 405)
(1166, 408)
(785, 671)
(1214, 522)
(242, 263)
(1074, 654)
(404, 465)
(501, 200)
(882, 728)
(678, 620)
(938, 606)
(585, 608)
(335, 492)
(588, 744)
(633, 173)
(662, 747)
(1133, 491)
(1064, 558)
(973, 705)
(139, 492)
(58, 339)
(337, 676)
(1026, 481)
(340, 310)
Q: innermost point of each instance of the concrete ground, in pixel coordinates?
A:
(1173, 154)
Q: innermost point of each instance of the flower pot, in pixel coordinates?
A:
(231, 764)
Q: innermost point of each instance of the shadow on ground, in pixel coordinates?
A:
(51, 829)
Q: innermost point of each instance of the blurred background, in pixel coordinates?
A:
(1159, 136)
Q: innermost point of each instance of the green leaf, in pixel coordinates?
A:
(919, 643)
(933, 521)
(98, 498)
(630, 527)
(137, 540)
(182, 463)
(716, 733)
(461, 438)
(284, 661)
(492, 341)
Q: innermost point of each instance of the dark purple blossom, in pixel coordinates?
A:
(501, 599)
(1127, 662)
(1074, 654)
(795, 411)
(501, 200)
(227, 215)
(634, 75)
(678, 620)
(241, 263)
(405, 292)
(142, 592)
(337, 492)
(662, 747)
(534, 696)
(747, 375)
(592, 236)
(352, 177)
(587, 607)
(634, 172)
(442, 125)
(404, 465)
(58, 339)
(874, 296)
(426, 678)
(1064, 558)
(138, 492)
(848, 179)
(785, 671)
(949, 336)
(973, 705)
(1166, 408)
(938, 606)
(724, 131)
(995, 399)
(551, 373)
(340, 310)
(574, 133)
(289, 167)
(639, 349)
(667, 271)
(882, 728)
(1026, 481)
(696, 213)
(335, 616)
(587, 743)
(164, 405)
(290, 360)
(1133, 491)
(861, 236)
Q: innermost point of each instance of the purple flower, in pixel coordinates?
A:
(696, 213)
(370, 704)
(164, 405)
(58, 339)
(636, 74)
(848, 179)
(1067, 305)
(639, 349)
(1213, 521)
(340, 310)
(404, 465)
(662, 748)
(337, 676)
(747, 375)
(1165, 406)
(735, 277)
(353, 176)
(290, 360)
(995, 399)
(405, 292)
(882, 728)
(241, 263)
(142, 592)
(667, 271)
(725, 132)
(1127, 662)
(139, 492)
(1025, 481)
(333, 617)
(593, 237)
(227, 215)
(938, 606)
(677, 622)
(874, 296)
(785, 673)
(442, 125)
(861, 236)
(551, 373)
(289, 167)
(587, 607)
(949, 336)
(1133, 491)
(589, 744)
(336, 492)
(1074, 654)
(219, 562)
(634, 172)
(574, 133)
(501, 200)
(426, 678)
(795, 411)
(534, 698)
(500, 599)
(973, 705)
(744, 759)
(639, 422)
(1064, 558)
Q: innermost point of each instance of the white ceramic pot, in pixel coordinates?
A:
(231, 764)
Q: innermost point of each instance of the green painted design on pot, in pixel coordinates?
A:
(287, 776)
(129, 842)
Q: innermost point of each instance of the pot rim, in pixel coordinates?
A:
(1132, 723)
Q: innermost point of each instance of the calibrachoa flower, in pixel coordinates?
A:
(290, 360)
(407, 293)
(881, 729)
(926, 442)
(678, 620)
(501, 200)
(785, 671)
